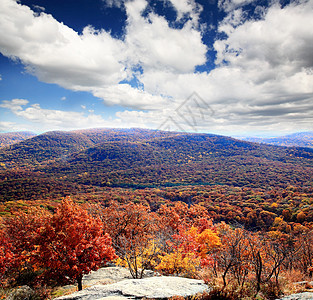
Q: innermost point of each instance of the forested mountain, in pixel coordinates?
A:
(301, 139)
(60, 144)
(64, 162)
(10, 138)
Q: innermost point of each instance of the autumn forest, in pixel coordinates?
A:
(236, 214)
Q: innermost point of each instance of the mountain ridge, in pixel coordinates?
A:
(10, 138)
(299, 139)
(137, 158)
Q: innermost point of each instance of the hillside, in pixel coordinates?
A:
(41, 148)
(301, 139)
(10, 138)
(187, 158)
(58, 163)
(53, 145)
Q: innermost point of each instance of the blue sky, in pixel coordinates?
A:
(234, 67)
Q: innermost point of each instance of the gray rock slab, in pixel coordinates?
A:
(114, 298)
(106, 276)
(299, 296)
(153, 287)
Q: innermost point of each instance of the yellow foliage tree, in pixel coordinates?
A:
(191, 249)
(179, 263)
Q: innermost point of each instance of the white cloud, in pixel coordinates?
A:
(56, 53)
(35, 118)
(183, 8)
(139, 119)
(260, 60)
(10, 126)
(231, 21)
(272, 56)
(187, 8)
(282, 40)
(15, 105)
(63, 98)
(230, 5)
(154, 45)
(125, 95)
(40, 119)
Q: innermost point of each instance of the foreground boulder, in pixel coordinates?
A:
(153, 287)
(22, 293)
(299, 296)
(106, 275)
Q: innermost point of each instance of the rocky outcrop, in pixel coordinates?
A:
(300, 296)
(154, 287)
(106, 276)
(22, 293)
(109, 275)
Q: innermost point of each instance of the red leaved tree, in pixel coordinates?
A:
(22, 230)
(73, 244)
(6, 255)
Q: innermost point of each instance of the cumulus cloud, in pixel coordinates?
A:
(35, 118)
(154, 45)
(40, 119)
(125, 95)
(15, 105)
(280, 40)
(56, 53)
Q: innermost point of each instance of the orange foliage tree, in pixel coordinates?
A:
(191, 249)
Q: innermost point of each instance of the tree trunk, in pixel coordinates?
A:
(259, 272)
(79, 282)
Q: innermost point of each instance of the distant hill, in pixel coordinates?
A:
(301, 139)
(54, 145)
(76, 161)
(44, 147)
(11, 138)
